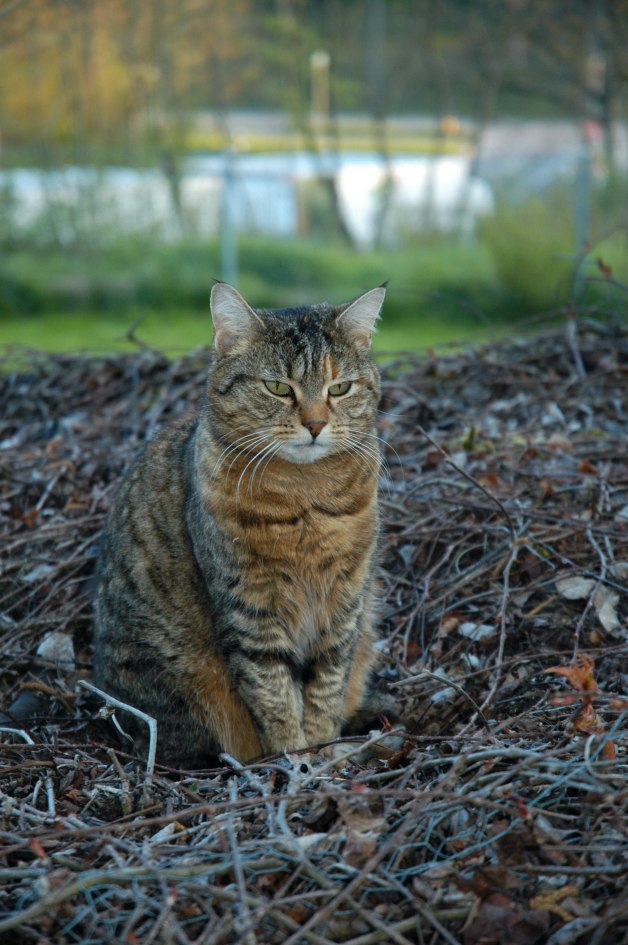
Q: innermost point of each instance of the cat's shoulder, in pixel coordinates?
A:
(172, 436)
(162, 460)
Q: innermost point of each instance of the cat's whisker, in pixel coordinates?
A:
(255, 440)
(264, 463)
(380, 439)
(354, 444)
(264, 455)
(235, 445)
(361, 451)
(256, 457)
(395, 414)
(357, 438)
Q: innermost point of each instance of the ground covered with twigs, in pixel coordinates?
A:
(503, 818)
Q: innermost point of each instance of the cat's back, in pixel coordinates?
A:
(147, 572)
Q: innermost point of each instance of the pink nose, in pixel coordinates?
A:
(315, 426)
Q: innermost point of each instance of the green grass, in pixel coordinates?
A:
(144, 273)
(66, 284)
(89, 298)
(180, 330)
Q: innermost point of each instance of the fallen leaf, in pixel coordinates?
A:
(619, 570)
(38, 573)
(488, 880)
(579, 674)
(477, 631)
(605, 603)
(563, 700)
(575, 588)
(492, 482)
(588, 721)
(58, 647)
(572, 932)
(359, 847)
(608, 752)
(553, 414)
(37, 849)
(618, 704)
(449, 623)
(560, 443)
(547, 488)
(504, 922)
(550, 899)
(165, 834)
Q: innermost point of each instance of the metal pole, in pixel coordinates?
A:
(228, 242)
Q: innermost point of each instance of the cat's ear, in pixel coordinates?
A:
(234, 320)
(358, 318)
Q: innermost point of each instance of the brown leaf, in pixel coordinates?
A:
(619, 704)
(588, 721)
(500, 921)
(359, 847)
(579, 674)
(37, 849)
(488, 880)
(608, 751)
(587, 468)
(563, 700)
(550, 898)
(560, 443)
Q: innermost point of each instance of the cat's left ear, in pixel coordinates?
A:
(232, 316)
(358, 318)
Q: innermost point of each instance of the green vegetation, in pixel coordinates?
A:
(56, 299)
(532, 246)
(440, 290)
(181, 330)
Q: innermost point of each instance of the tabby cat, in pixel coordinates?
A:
(236, 594)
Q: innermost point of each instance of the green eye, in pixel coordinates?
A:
(278, 388)
(336, 390)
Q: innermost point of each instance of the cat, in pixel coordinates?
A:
(237, 588)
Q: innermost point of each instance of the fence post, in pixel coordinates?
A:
(228, 242)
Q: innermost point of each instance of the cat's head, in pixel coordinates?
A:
(295, 383)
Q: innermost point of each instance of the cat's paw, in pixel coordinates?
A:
(339, 751)
(380, 746)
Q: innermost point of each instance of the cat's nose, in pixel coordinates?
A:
(315, 426)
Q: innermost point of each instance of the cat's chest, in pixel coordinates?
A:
(314, 540)
(306, 577)
(303, 563)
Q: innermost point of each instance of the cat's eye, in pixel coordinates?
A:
(278, 388)
(336, 390)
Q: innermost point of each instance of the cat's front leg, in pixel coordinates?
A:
(274, 700)
(324, 698)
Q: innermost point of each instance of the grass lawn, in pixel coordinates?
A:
(59, 300)
(181, 330)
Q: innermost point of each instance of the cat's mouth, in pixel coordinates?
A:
(305, 452)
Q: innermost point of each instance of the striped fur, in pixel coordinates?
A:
(236, 597)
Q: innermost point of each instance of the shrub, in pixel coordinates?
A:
(532, 246)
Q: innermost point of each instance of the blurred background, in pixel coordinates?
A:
(475, 154)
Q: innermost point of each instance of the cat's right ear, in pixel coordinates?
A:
(233, 318)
